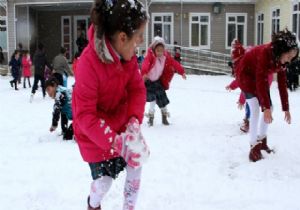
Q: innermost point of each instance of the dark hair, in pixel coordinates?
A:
(143, 51)
(25, 52)
(14, 54)
(283, 42)
(77, 55)
(40, 46)
(111, 16)
(52, 81)
(63, 50)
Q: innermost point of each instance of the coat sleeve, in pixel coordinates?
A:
(282, 86)
(234, 85)
(177, 66)
(85, 97)
(60, 100)
(136, 95)
(262, 84)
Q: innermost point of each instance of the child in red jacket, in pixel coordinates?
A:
(109, 98)
(253, 72)
(26, 64)
(158, 70)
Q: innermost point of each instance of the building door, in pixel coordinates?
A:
(81, 25)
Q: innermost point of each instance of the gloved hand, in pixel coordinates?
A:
(139, 146)
(52, 128)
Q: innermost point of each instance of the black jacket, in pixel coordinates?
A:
(40, 62)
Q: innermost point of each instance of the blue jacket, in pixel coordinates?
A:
(63, 100)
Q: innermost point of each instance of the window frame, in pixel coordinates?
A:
(6, 19)
(206, 47)
(260, 40)
(245, 27)
(162, 14)
(276, 18)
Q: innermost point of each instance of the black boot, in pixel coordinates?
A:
(11, 83)
(16, 85)
(165, 115)
(68, 135)
(151, 119)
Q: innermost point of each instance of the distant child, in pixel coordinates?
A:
(62, 106)
(109, 99)
(75, 62)
(158, 70)
(15, 65)
(141, 58)
(177, 52)
(253, 71)
(26, 64)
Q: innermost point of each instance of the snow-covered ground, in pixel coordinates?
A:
(198, 162)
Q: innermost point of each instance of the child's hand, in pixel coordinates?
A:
(240, 106)
(184, 76)
(228, 88)
(52, 129)
(268, 116)
(145, 78)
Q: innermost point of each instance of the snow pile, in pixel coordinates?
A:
(198, 162)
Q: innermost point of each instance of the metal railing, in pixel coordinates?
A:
(203, 60)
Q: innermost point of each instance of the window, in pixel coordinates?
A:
(3, 32)
(200, 30)
(66, 39)
(275, 14)
(162, 25)
(296, 19)
(236, 27)
(260, 29)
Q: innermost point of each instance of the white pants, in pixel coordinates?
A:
(255, 132)
(100, 187)
(152, 108)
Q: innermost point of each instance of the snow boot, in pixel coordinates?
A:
(151, 118)
(91, 208)
(165, 116)
(245, 126)
(264, 146)
(68, 134)
(255, 152)
(11, 83)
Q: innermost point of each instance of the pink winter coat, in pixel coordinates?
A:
(171, 67)
(107, 93)
(26, 64)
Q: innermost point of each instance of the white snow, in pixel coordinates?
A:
(198, 162)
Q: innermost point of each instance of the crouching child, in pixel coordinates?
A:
(62, 107)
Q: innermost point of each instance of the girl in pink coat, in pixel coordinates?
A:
(26, 64)
(109, 97)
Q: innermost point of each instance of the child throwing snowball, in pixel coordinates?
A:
(158, 70)
(109, 99)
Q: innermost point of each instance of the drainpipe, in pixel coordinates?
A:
(181, 8)
(147, 26)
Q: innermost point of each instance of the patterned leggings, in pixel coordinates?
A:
(100, 187)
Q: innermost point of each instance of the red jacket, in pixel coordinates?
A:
(253, 71)
(171, 66)
(26, 64)
(106, 95)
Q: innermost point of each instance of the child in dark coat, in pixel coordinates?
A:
(15, 64)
